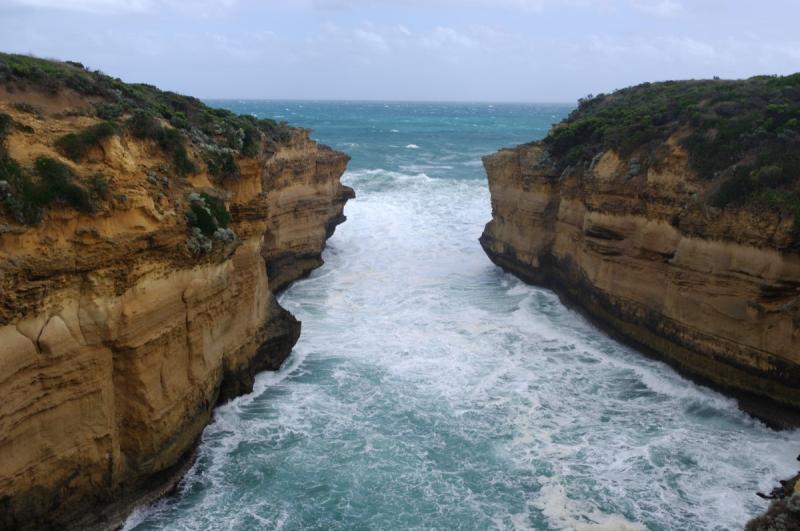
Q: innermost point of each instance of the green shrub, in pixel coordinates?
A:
(28, 199)
(57, 184)
(6, 123)
(25, 107)
(178, 120)
(109, 111)
(99, 186)
(202, 218)
(145, 126)
(736, 189)
(171, 141)
(221, 164)
(17, 203)
(251, 141)
(208, 214)
(218, 210)
(75, 146)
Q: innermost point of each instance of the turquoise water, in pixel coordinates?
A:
(431, 390)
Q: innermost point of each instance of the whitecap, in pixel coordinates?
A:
(565, 513)
(412, 146)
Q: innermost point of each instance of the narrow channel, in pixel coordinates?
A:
(431, 390)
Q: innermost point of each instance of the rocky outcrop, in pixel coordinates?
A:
(117, 336)
(715, 292)
(784, 512)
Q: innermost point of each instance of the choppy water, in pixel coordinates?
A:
(431, 390)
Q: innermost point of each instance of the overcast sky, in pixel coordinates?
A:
(475, 50)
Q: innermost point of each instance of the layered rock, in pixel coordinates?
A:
(116, 339)
(715, 292)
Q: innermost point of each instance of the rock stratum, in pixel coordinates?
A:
(142, 238)
(670, 214)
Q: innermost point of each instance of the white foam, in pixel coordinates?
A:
(429, 389)
(412, 146)
(565, 513)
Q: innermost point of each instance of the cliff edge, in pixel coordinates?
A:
(142, 238)
(670, 213)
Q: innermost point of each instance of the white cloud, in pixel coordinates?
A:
(87, 6)
(662, 8)
(544, 50)
(655, 48)
(199, 7)
(371, 40)
(209, 7)
(442, 38)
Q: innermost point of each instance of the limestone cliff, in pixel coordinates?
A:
(640, 210)
(142, 236)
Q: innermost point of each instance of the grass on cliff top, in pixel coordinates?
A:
(211, 129)
(747, 132)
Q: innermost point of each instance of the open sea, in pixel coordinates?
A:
(431, 390)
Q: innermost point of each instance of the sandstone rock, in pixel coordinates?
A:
(116, 342)
(717, 294)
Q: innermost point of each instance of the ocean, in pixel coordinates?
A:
(431, 390)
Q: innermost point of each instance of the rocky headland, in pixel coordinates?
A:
(670, 214)
(143, 236)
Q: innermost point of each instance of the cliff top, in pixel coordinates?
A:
(744, 135)
(60, 124)
(112, 99)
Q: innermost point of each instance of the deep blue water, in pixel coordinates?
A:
(431, 390)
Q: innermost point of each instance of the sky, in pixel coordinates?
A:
(410, 50)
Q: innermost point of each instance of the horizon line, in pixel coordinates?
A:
(361, 100)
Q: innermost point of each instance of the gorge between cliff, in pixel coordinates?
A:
(431, 389)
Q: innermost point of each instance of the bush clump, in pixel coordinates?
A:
(26, 108)
(144, 126)
(208, 221)
(27, 199)
(99, 186)
(57, 183)
(76, 146)
(13, 181)
(109, 111)
(221, 163)
(207, 213)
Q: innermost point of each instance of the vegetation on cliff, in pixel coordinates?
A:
(170, 121)
(113, 99)
(744, 134)
(208, 221)
(75, 146)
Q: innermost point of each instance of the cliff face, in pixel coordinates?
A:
(121, 327)
(714, 291)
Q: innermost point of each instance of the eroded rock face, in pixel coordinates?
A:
(116, 341)
(714, 292)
